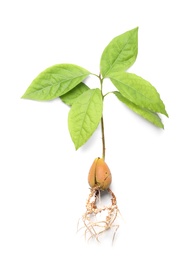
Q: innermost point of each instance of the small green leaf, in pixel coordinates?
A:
(120, 53)
(72, 95)
(84, 116)
(148, 115)
(138, 91)
(55, 81)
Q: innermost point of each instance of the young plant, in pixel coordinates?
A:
(66, 81)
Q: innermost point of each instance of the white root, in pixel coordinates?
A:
(95, 227)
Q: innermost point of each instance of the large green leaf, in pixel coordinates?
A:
(148, 115)
(84, 116)
(72, 95)
(139, 91)
(120, 53)
(55, 81)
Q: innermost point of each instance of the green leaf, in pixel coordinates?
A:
(120, 53)
(84, 116)
(138, 91)
(55, 81)
(72, 95)
(148, 115)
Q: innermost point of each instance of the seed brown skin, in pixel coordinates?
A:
(99, 174)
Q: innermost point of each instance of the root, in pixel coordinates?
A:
(98, 219)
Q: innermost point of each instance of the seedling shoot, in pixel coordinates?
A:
(68, 82)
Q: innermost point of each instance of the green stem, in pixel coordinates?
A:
(102, 122)
(103, 138)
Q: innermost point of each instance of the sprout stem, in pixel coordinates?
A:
(103, 138)
(102, 121)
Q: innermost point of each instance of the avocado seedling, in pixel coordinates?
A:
(68, 82)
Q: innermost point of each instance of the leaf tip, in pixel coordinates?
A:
(165, 113)
(76, 146)
(136, 29)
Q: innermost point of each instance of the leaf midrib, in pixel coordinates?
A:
(146, 110)
(133, 90)
(59, 82)
(88, 104)
(112, 65)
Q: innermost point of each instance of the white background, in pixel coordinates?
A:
(43, 180)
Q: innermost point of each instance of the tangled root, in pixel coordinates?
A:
(98, 219)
